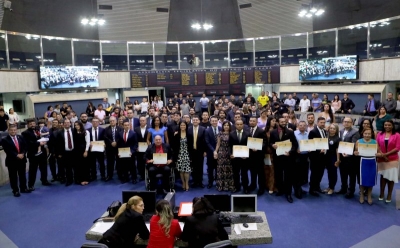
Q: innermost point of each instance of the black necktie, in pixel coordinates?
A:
(113, 134)
(95, 134)
(251, 131)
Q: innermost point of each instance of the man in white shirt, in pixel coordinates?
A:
(100, 113)
(304, 104)
(144, 106)
(204, 103)
(290, 102)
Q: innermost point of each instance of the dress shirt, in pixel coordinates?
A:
(132, 123)
(87, 125)
(304, 105)
(143, 130)
(215, 130)
(371, 106)
(301, 136)
(87, 139)
(322, 132)
(398, 106)
(195, 133)
(290, 102)
(127, 135)
(66, 139)
(309, 128)
(94, 134)
(344, 133)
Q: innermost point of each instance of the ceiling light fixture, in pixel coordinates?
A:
(94, 19)
(201, 25)
(310, 10)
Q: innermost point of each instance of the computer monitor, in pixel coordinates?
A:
(221, 203)
(244, 204)
(149, 199)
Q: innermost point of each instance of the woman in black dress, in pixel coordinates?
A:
(333, 156)
(90, 109)
(81, 147)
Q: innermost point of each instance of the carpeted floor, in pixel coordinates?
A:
(59, 216)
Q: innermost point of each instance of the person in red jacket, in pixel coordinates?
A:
(164, 229)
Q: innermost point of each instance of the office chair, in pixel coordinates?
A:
(94, 245)
(219, 244)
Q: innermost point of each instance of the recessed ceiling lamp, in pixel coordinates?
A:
(201, 25)
(310, 10)
(93, 20)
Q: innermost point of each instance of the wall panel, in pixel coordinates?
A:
(113, 80)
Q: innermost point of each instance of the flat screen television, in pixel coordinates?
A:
(67, 77)
(329, 69)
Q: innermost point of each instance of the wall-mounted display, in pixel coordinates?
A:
(66, 77)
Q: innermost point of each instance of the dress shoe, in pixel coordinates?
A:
(342, 192)
(31, 189)
(270, 192)
(260, 192)
(209, 186)
(25, 191)
(349, 195)
(330, 192)
(388, 201)
(68, 184)
(16, 194)
(289, 198)
(108, 179)
(279, 193)
(134, 181)
(46, 183)
(314, 193)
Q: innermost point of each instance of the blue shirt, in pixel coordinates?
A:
(371, 105)
(154, 133)
(301, 136)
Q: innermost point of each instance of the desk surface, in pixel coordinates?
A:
(261, 236)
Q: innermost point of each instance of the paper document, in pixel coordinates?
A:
(240, 151)
(185, 209)
(254, 143)
(124, 152)
(306, 145)
(251, 227)
(159, 158)
(148, 226)
(321, 143)
(367, 150)
(142, 146)
(97, 146)
(283, 147)
(182, 225)
(346, 148)
(101, 227)
(237, 229)
(43, 140)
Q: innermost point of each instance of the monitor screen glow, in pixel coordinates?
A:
(244, 204)
(67, 77)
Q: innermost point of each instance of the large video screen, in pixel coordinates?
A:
(332, 69)
(66, 77)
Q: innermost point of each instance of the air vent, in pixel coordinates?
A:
(243, 6)
(165, 10)
(106, 7)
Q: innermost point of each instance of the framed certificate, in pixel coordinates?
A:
(283, 147)
(306, 145)
(97, 146)
(367, 150)
(321, 144)
(160, 158)
(142, 146)
(124, 152)
(254, 143)
(346, 147)
(240, 151)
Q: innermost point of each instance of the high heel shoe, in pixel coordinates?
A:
(388, 201)
(380, 198)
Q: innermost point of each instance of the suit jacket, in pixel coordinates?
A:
(210, 142)
(135, 122)
(177, 143)
(351, 136)
(291, 126)
(377, 104)
(11, 150)
(287, 135)
(234, 141)
(259, 134)
(31, 142)
(172, 128)
(100, 134)
(139, 136)
(131, 141)
(52, 139)
(148, 155)
(316, 134)
(245, 128)
(108, 138)
(201, 142)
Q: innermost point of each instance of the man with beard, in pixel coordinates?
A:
(85, 122)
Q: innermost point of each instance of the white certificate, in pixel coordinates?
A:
(97, 146)
(160, 158)
(321, 143)
(240, 151)
(283, 147)
(142, 146)
(124, 152)
(43, 140)
(367, 150)
(306, 145)
(254, 143)
(346, 147)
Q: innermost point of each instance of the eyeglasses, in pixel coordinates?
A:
(347, 121)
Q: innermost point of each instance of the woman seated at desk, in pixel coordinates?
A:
(203, 227)
(164, 228)
(129, 225)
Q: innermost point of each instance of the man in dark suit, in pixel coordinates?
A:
(173, 126)
(237, 118)
(199, 151)
(15, 148)
(96, 133)
(284, 163)
(371, 106)
(111, 139)
(141, 134)
(240, 166)
(211, 142)
(289, 126)
(36, 159)
(51, 144)
(152, 114)
(64, 150)
(318, 158)
(254, 111)
(127, 138)
(256, 158)
(154, 169)
(348, 164)
(133, 122)
(347, 104)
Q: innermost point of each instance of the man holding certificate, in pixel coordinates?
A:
(141, 134)
(302, 164)
(318, 158)
(348, 164)
(240, 165)
(110, 138)
(127, 146)
(256, 144)
(284, 163)
(96, 134)
(158, 157)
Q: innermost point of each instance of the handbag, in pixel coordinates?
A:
(113, 208)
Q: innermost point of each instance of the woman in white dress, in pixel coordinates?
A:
(13, 117)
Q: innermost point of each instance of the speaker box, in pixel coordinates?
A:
(19, 106)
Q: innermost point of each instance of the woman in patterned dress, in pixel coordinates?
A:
(224, 179)
(268, 162)
(183, 147)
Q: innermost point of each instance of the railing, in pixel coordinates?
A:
(371, 40)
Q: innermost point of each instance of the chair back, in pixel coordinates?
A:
(223, 243)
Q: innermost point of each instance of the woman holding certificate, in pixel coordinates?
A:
(333, 156)
(183, 147)
(157, 129)
(366, 149)
(224, 179)
(81, 138)
(269, 165)
(388, 158)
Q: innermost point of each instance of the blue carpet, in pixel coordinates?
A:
(59, 216)
(388, 238)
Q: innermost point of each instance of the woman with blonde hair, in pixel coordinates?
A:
(129, 225)
(164, 228)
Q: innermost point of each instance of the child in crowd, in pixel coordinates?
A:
(44, 133)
